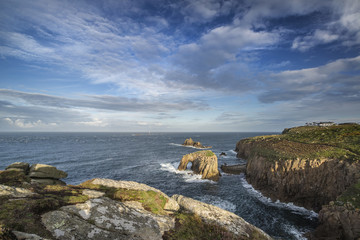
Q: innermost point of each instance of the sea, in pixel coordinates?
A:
(153, 158)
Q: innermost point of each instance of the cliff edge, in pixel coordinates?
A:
(309, 166)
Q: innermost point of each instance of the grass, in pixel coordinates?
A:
(150, 200)
(351, 195)
(310, 142)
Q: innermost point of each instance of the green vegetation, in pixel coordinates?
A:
(191, 227)
(209, 153)
(351, 195)
(25, 214)
(310, 142)
(150, 200)
(14, 178)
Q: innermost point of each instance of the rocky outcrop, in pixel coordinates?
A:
(203, 162)
(170, 206)
(215, 215)
(46, 174)
(109, 209)
(191, 143)
(343, 222)
(100, 218)
(234, 169)
(19, 166)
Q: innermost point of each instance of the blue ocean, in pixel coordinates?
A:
(153, 159)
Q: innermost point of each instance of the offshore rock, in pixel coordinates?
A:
(46, 171)
(215, 215)
(100, 218)
(203, 162)
(234, 169)
(192, 143)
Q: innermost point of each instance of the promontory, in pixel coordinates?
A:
(314, 167)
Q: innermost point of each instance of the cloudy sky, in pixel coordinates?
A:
(192, 65)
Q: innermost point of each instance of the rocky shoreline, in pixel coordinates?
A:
(107, 209)
(317, 174)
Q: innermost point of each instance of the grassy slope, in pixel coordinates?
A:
(310, 142)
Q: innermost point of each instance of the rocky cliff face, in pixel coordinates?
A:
(306, 182)
(310, 167)
(203, 162)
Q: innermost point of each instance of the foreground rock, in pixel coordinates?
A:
(203, 162)
(108, 209)
(215, 215)
(234, 169)
(310, 166)
(100, 218)
(191, 143)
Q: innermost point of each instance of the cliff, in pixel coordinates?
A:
(203, 162)
(309, 166)
(108, 209)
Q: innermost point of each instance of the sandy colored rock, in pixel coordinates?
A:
(100, 218)
(46, 171)
(27, 236)
(14, 192)
(92, 193)
(203, 162)
(191, 143)
(170, 206)
(215, 215)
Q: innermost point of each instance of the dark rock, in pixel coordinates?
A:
(19, 166)
(223, 154)
(234, 169)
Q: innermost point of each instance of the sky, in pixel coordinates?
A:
(178, 66)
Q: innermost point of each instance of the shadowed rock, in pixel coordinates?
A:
(203, 162)
(234, 169)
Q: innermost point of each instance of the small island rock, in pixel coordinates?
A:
(46, 171)
(191, 143)
(203, 162)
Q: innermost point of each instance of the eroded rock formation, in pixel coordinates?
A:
(203, 162)
(234, 169)
(191, 143)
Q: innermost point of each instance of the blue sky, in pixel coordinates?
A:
(161, 65)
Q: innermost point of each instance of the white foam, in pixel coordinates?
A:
(187, 175)
(232, 151)
(295, 232)
(180, 145)
(290, 206)
(219, 202)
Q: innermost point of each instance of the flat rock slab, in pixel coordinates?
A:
(100, 218)
(46, 171)
(215, 215)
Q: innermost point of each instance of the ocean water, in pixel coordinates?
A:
(153, 160)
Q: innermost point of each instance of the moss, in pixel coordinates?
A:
(14, 178)
(192, 227)
(351, 195)
(150, 200)
(209, 153)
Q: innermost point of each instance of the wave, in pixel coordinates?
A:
(290, 206)
(188, 175)
(217, 201)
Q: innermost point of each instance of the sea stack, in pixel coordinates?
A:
(203, 162)
(191, 143)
